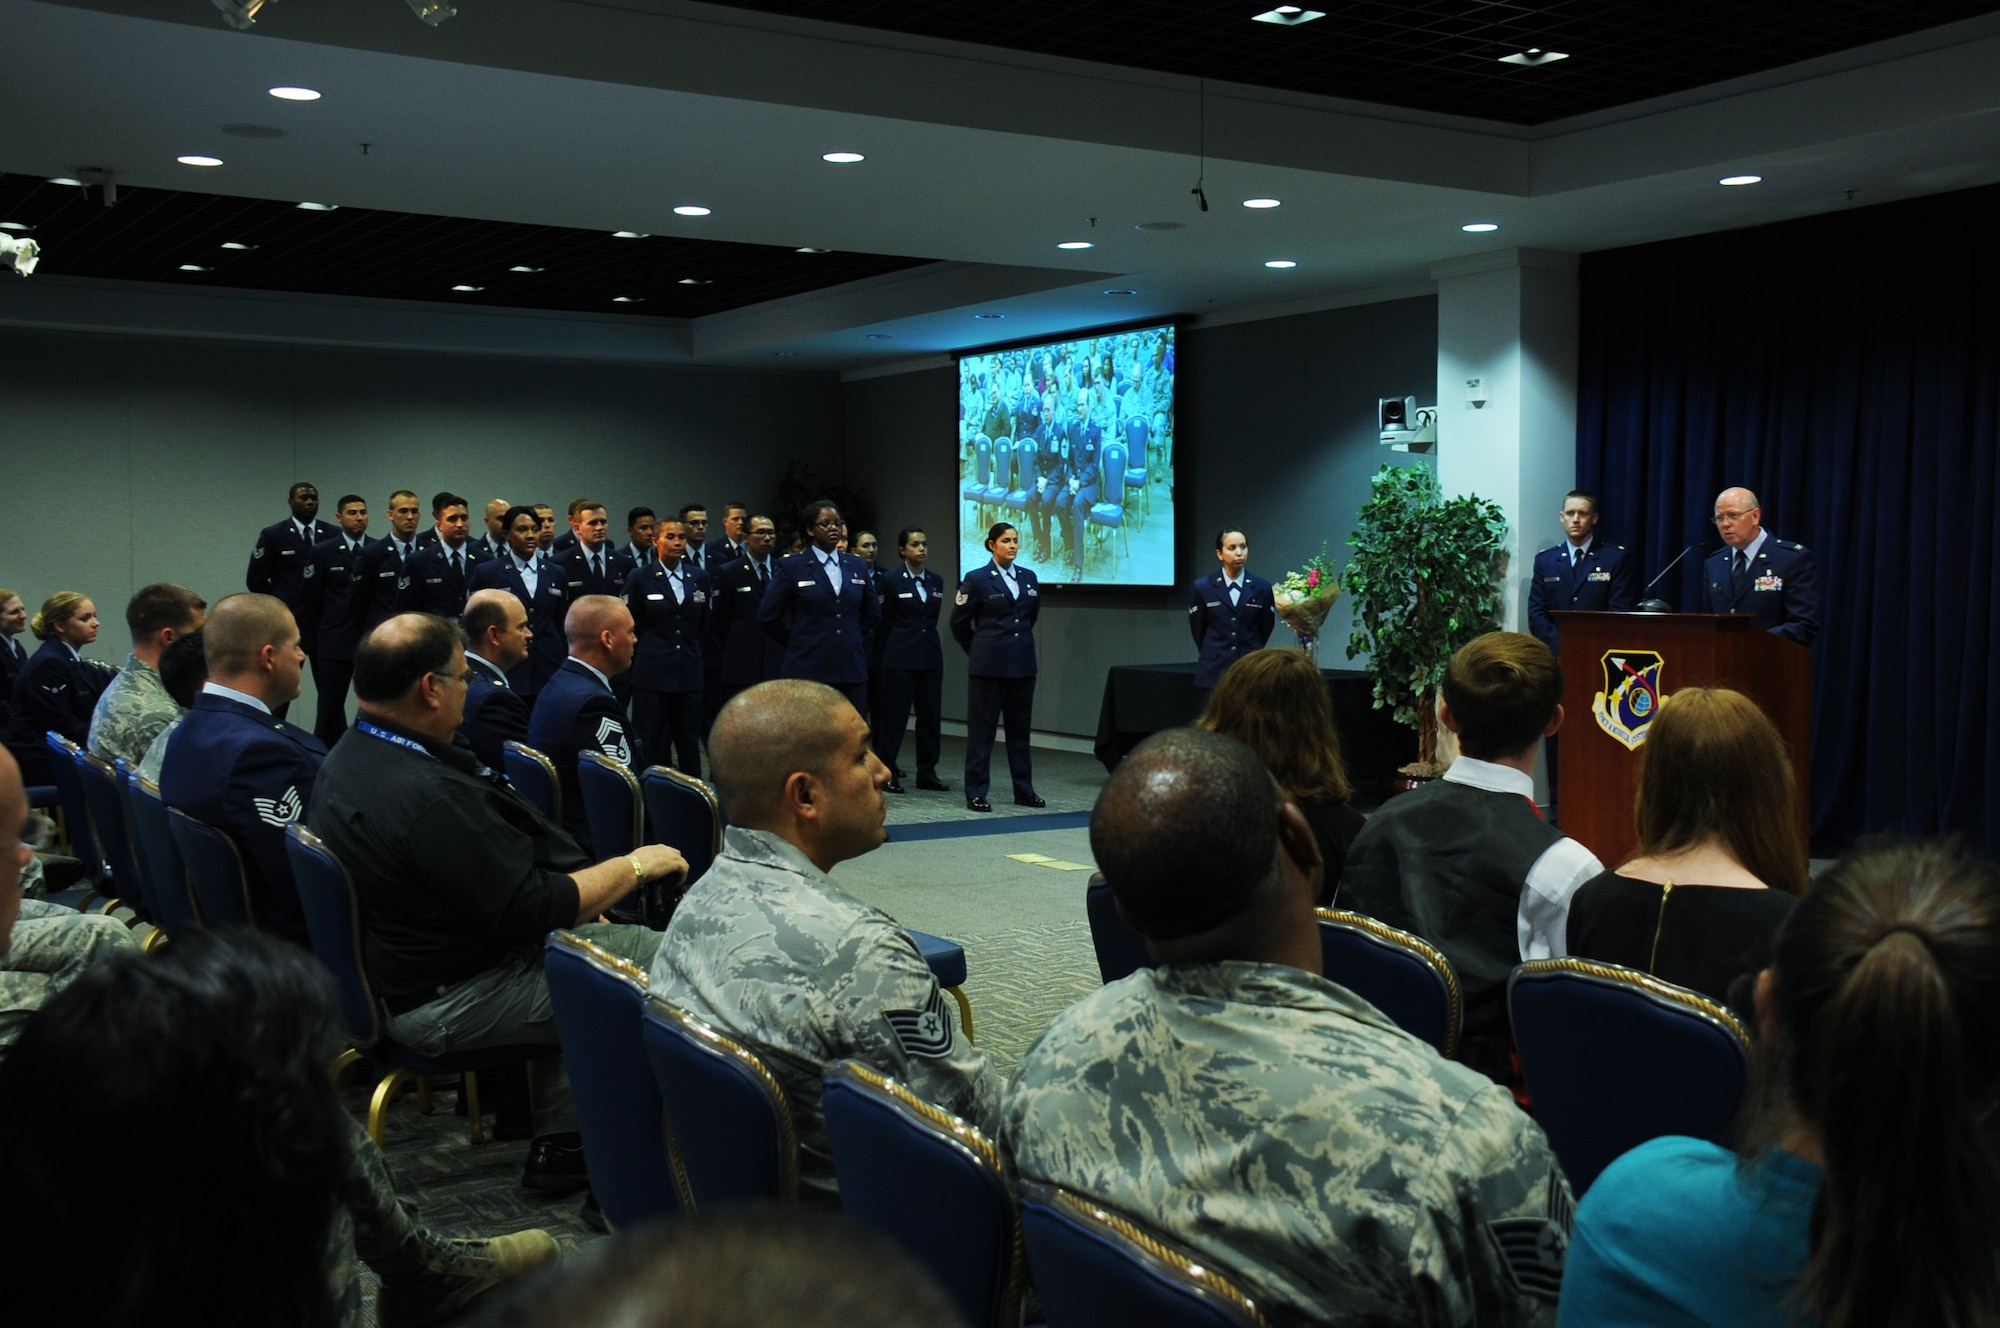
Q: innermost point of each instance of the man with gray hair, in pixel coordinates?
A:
(136, 706)
(767, 948)
(1238, 1102)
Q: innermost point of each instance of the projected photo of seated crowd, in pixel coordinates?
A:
(1072, 442)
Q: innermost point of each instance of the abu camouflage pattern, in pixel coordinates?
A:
(131, 713)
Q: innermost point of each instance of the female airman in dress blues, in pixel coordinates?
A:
(993, 619)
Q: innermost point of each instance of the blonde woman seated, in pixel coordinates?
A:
(1720, 860)
(1274, 702)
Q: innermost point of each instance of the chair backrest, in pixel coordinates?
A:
(931, 1182)
(214, 870)
(982, 460)
(1403, 976)
(99, 780)
(726, 1112)
(1093, 1266)
(333, 924)
(683, 812)
(534, 776)
(1137, 431)
(1003, 464)
(611, 803)
(1027, 463)
(1113, 457)
(159, 859)
(599, 999)
(63, 757)
(1121, 951)
(1614, 1057)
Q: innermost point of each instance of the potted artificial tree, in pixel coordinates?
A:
(1425, 579)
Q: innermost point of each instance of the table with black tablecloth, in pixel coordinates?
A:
(1142, 699)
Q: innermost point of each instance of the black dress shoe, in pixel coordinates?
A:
(978, 805)
(894, 786)
(1032, 800)
(932, 784)
(556, 1165)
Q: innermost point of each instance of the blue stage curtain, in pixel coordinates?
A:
(1847, 369)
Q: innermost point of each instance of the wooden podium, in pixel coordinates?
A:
(1616, 666)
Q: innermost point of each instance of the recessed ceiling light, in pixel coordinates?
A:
(523, 267)
(1734, 180)
(193, 267)
(842, 158)
(1479, 227)
(690, 210)
(237, 244)
(15, 226)
(695, 281)
(468, 289)
(195, 159)
(880, 336)
(320, 207)
(1076, 244)
(295, 94)
(1287, 14)
(1260, 202)
(1534, 55)
(1280, 262)
(628, 235)
(64, 179)
(628, 299)
(812, 251)
(1121, 291)
(990, 317)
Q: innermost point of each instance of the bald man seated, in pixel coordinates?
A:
(460, 878)
(769, 949)
(577, 711)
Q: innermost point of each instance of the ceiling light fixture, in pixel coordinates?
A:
(432, 12)
(193, 267)
(523, 267)
(239, 14)
(1260, 203)
(1076, 244)
(194, 159)
(1289, 15)
(1121, 291)
(812, 251)
(15, 226)
(1534, 55)
(842, 158)
(468, 290)
(1280, 262)
(990, 317)
(628, 299)
(695, 281)
(690, 210)
(1479, 227)
(64, 179)
(628, 235)
(237, 244)
(319, 207)
(295, 94)
(1735, 180)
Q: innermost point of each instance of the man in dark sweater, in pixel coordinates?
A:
(1466, 861)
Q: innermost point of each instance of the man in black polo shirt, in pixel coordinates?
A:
(460, 878)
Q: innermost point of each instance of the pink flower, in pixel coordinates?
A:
(1312, 579)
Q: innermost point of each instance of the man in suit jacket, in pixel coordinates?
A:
(577, 711)
(542, 591)
(749, 654)
(234, 764)
(1230, 611)
(670, 603)
(912, 662)
(822, 607)
(441, 572)
(1583, 572)
(497, 635)
(1759, 574)
(382, 573)
(335, 599)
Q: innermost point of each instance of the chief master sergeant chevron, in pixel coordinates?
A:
(1234, 1100)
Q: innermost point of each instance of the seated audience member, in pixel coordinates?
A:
(1466, 861)
(136, 706)
(183, 669)
(767, 948)
(13, 622)
(57, 689)
(234, 764)
(577, 711)
(1865, 1191)
(239, 1183)
(1236, 1101)
(1275, 702)
(724, 1272)
(497, 641)
(1720, 860)
(460, 879)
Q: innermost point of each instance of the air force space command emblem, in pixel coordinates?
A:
(1632, 695)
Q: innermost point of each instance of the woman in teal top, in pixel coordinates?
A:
(1866, 1193)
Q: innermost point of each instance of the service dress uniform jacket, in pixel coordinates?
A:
(909, 630)
(383, 585)
(1223, 632)
(546, 607)
(13, 658)
(1779, 590)
(57, 692)
(1604, 580)
(579, 579)
(824, 632)
(750, 655)
(912, 667)
(440, 587)
(996, 628)
(280, 557)
(577, 712)
(495, 714)
(669, 665)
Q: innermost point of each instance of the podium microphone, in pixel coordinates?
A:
(1660, 605)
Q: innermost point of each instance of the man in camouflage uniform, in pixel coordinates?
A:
(766, 947)
(1235, 1101)
(135, 707)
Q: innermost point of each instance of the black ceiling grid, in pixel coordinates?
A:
(408, 256)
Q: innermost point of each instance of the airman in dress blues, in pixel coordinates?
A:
(335, 603)
(520, 572)
(441, 571)
(577, 711)
(821, 607)
(1085, 437)
(58, 688)
(750, 655)
(1230, 612)
(1759, 574)
(1051, 493)
(993, 620)
(382, 573)
(1583, 572)
(670, 603)
(912, 661)
(283, 550)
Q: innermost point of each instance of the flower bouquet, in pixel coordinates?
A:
(1305, 597)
